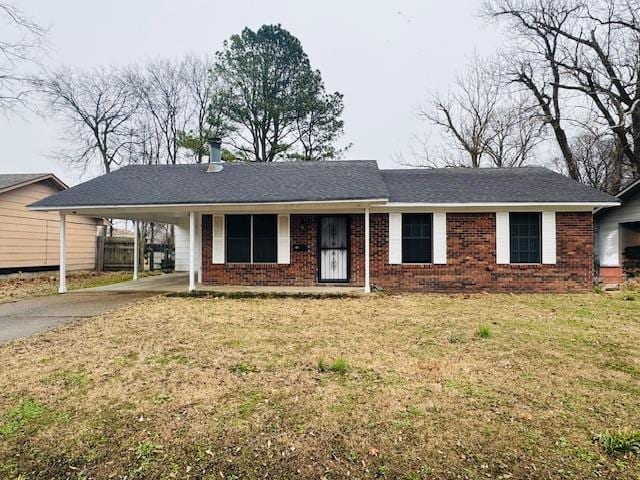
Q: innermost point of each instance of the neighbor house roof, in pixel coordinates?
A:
(320, 182)
(487, 185)
(629, 190)
(10, 181)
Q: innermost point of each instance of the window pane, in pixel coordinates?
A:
(238, 238)
(265, 244)
(416, 237)
(524, 231)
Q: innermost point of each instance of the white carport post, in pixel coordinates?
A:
(367, 286)
(136, 250)
(62, 288)
(192, 251)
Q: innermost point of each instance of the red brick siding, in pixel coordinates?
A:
(471, 262)
(471, 259)
(303, 269)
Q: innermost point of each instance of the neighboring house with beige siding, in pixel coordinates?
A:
(29, 241)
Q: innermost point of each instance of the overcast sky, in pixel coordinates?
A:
(384, 56)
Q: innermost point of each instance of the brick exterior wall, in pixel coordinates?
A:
(303, 269)
(471, 259)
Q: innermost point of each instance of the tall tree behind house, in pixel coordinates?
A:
(275, 103)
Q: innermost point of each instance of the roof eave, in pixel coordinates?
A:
(501, 204)
(45, 208)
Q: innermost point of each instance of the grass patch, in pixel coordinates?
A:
(483, 332)
(389, 386)
(249, 405)
(242, 368)
(27, 415)
(457, 338)
(340, 366)
(619, 442)
(67, 379)
(29, 286)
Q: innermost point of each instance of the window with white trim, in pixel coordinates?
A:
(251, 238)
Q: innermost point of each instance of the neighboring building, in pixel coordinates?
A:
(29, 240)
(349, 223)
(617, 228)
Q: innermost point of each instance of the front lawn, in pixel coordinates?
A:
(412, 387)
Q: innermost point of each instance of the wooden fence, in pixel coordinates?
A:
(114, 253)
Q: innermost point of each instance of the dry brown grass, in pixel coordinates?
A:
(197, 388)
(28, 286)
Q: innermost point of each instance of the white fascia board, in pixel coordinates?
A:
(191, 206)
(501, 204)
(492, 206)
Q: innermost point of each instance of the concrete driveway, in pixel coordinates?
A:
(24, 318)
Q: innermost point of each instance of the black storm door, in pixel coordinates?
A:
(334, 249)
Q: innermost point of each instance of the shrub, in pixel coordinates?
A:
(484, 331)
(619, 442)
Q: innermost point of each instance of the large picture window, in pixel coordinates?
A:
(417, 238)
(524, 237)
(251, 238)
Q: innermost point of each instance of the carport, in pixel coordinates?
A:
(173, 215)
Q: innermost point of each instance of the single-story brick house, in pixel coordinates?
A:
(351, 223)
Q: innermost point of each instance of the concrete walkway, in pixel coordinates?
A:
(26, 317)
(162, 283)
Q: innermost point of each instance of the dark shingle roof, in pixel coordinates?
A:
(236, 183)
(11, 179)
(321, 181)
(487, 185)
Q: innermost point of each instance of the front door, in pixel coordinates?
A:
(334, 249)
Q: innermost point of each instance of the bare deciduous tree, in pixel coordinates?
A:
(160, 85)
(97, 108)
(465, 113)
(21, 41)
(535, 63)
(205, 117)
(578, 54)
(485, 125)
(596, 154)
(515, 132)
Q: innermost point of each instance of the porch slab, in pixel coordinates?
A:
(178, 282)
